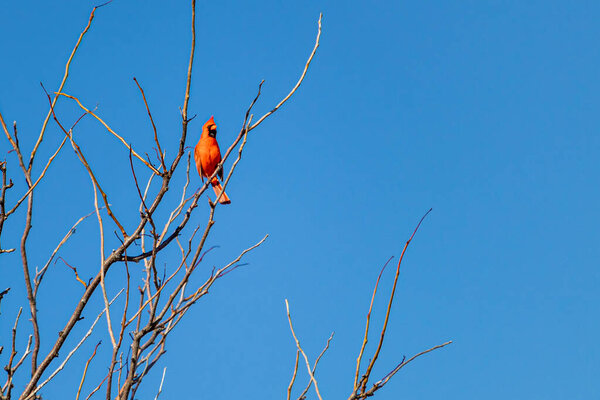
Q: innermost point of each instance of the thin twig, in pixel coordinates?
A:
(162, 159)
(96, 388)
(312, 377)
(303, 394)
(365, 378)
(15, 144)
(385, 379)
(286, 98)
(9, 368)
(3, 293)
(188, 85)
(74, 271)
(3, 188)
(102, 264)
(25, 353)
(161, 384)
(11, 374)
(364, 344)
(87, 364)
(289, 389)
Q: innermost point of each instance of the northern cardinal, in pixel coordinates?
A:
(207, 156)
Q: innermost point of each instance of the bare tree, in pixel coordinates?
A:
(150, 308)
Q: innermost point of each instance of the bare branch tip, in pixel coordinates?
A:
(103, 4)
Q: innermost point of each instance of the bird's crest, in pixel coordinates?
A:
(211, 121)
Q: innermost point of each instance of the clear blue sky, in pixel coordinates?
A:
(486, 111)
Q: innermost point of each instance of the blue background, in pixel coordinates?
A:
(486, 111)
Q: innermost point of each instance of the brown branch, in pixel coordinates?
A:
(102, 266)
(303, 394)
(97, 388)
(289, 389)
(87, 364)
(312, 377)
(137, 186)
(177, 211)
(162, 159)
(385, 379)
(161, 384)
(365, 378)
(24, 356)
(3, 293)
(9, 368)
(116, 348)
(387, 315)
(290, 94)
(3, 215)
(14, 143)
(186, 99)
(365, 340)
(30, 297)
(74, 270)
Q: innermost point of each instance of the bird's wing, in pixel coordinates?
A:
(216, 155)
(198, 163)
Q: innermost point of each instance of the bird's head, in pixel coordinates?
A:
(210, 128)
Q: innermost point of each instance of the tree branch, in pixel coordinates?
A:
(312, 377)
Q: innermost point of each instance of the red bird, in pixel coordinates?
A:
(207, 156)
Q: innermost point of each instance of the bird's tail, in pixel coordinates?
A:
(217, 188)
